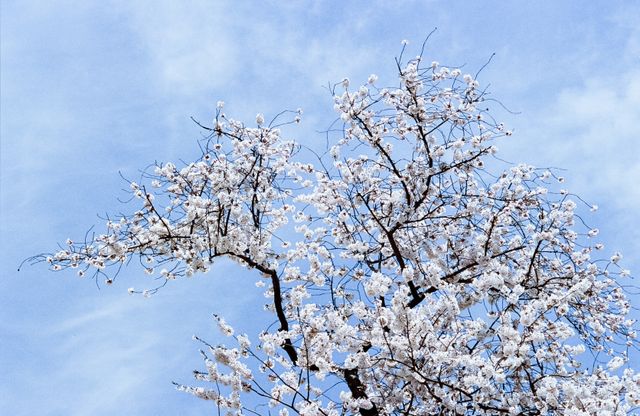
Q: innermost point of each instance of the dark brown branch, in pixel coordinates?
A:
(358, 390)
(277, 302)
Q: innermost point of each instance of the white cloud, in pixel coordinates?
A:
(597, 130)
(197, 47)
(190, 45)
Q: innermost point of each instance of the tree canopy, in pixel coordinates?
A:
(407, 275)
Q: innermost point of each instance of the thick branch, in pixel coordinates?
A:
(358, 391)
(277, 301)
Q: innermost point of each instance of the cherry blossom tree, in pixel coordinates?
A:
(406, 273)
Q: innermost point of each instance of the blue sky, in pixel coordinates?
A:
(92, 88)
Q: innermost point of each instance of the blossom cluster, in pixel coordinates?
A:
(405, 276)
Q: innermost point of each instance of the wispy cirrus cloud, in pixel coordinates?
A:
(597, 127)
(189, 46)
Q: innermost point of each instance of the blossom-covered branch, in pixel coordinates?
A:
(407, 274)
